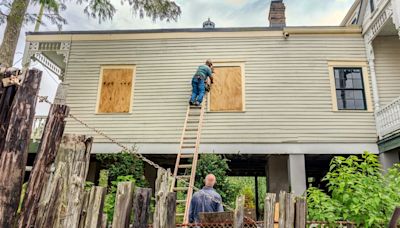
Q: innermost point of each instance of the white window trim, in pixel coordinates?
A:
(367, 90)
(230, 63)
(103, 67)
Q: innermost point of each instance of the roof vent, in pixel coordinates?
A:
(208, 24)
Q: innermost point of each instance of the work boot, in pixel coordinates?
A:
(197, 103)
(190, 103)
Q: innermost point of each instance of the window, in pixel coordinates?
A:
(226, 93)
(349, 89)
(350, 86)
(115, 89)
(372, 5)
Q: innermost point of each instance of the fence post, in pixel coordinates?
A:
(171, 209)
(269, 210)
(95, 207)
(141, 207)
(123, 204)
(238, 219)
(14, 154)
(282, 210)
(301, 212)
(162, 188)
(46, 154)
(289, 210)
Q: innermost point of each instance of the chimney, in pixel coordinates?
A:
(276, 16)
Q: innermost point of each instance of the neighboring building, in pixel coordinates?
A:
(380, 22)
(289, 98)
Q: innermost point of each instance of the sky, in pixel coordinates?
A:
(224, 13)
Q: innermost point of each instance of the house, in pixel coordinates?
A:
(288, 100)
(380, 23)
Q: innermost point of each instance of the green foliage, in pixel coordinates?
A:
(88, 185)
(246, 186)
(249, 195)
(359, 192)
(103, 178)
(217, 165)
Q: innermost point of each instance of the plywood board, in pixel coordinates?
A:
(227, 91)
(116, 90)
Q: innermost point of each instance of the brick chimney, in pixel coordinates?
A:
(276, 16)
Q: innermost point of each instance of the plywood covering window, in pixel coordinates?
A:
(116, 84)
(226, 94)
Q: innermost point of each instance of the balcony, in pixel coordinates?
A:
(37, 128)
(388, 119)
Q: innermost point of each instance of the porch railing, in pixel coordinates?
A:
(37, 128)
(388, 119)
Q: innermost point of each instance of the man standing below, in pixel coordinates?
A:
(205, 200)
(198, 82)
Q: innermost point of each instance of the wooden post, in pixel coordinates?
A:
(171, 210)
(257, 198)
(282, 199)
(15, 149)
(395, 218)
(84, 210)
(289, 210)
(123, 204)
(162, 188)
(95, 207)
(47, 151)
(269, 210)
(72, 164)
(301, 212)
(141, 207)
(238, 219)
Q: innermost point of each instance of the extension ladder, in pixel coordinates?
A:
(186, 160)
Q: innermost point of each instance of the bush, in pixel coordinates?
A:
(358, 190)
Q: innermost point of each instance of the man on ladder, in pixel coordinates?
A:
(203, 73)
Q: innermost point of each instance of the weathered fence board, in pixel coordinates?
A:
(289, 210)
(15, 149)
(269, 210)
(162, 188)
(72, 163)
(238, 219)
(49, 144)
(95, 207)
(123, 204)
(301, 212)
(171, 209)
(141, 207)
(282, 210)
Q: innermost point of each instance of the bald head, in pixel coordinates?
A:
(209, 62)
(210, 180)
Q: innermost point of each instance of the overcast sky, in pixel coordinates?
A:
(225, 13)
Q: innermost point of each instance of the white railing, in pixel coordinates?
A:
(37, 128)
(388, 119)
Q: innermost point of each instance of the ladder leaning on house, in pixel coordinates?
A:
(186, 160)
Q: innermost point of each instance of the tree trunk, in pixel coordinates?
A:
(47, 151)
(11, 34)
(15, 151)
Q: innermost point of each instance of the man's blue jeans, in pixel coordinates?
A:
(198, 89)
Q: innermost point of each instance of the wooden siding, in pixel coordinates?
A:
(287, 94)
(387, 66)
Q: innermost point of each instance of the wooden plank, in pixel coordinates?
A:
(49, 144)
(238, 219)
(72, 164)
(141, 207)
(162, 188)
(171, 210)
(85, 204)
(226, 93)
(95, 207)
(269, 210)
(289, 210)
(395, 218)
(282, 210)
(301, 212)
(116, 90)
(14, 153)
(123, 204)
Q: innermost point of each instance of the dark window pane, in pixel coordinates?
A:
(358, 94)
(340, 104)
(349, 84)
(349, 94)
(357, 84)
(356, 75)
(360, 104)
(350, 104)
(337, 73)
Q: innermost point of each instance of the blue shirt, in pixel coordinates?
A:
(205, 200)
(203, 71)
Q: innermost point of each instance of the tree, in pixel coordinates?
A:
(15, 14)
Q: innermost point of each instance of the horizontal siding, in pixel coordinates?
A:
(287, 89)
(387, 64)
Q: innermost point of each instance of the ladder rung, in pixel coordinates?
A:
(180, 214)
(194, 114)
(193, 121)
(187, 138)
(186, 155)
(184, 177)
(185, 166)
(191, 129)
(180, 201)
(185, 147)
(195, 107)
(181, 188)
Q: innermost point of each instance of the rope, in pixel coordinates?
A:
(141, 157)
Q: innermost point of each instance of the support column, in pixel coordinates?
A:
(277, 173)
(374, 82)
(389, 158)
(297, 174)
